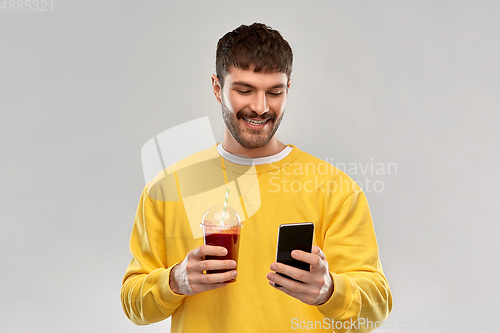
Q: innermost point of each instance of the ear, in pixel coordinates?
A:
(216, 88)
(288, 85)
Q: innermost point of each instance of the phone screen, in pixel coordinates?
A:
(294, 236)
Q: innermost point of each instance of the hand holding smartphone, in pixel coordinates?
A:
(294, 236)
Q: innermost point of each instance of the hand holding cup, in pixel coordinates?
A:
(187, 278)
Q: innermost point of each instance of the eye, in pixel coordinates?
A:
(275, 94)
(244, 92)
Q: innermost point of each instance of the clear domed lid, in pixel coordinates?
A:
(213, 217)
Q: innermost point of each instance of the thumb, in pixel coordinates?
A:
(320, 253)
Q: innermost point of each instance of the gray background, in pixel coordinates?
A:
(84, 86)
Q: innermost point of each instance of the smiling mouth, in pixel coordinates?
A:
(256, 122)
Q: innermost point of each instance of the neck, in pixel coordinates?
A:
(232, 146)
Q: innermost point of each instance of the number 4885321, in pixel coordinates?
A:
(27, 5)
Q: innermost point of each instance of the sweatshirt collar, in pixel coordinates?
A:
(278, 161)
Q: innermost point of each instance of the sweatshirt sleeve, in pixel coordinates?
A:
(145, 294)
(361, 299)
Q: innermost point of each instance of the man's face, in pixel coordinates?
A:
(253, 105)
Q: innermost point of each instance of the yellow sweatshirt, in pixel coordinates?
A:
(298, 188)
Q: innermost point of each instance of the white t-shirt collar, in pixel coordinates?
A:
(253, 161)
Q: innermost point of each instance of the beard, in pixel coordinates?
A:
(248, 137)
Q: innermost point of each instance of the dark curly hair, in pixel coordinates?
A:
(257, 45)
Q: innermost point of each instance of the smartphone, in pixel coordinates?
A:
(294, 236)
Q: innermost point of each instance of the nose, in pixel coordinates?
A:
(259, 104)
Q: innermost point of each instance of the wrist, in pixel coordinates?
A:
(327, 291)
(172, 283)
(164, 292)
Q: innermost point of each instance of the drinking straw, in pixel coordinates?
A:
(225, 206)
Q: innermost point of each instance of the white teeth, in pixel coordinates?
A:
(254, 122)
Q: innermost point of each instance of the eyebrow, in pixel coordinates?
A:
(241, 83)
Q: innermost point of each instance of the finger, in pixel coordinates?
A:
(210, 278)
(296, 273)
(317, 250)
(304, 297)
(310, 258)
(216, 264)
(208, 250)
(285, 283)
(217, 277)
(321, 254)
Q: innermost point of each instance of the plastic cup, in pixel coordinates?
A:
(222, 233)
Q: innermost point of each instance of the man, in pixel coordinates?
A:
(345, 289)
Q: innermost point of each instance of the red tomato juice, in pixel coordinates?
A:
(229, 240)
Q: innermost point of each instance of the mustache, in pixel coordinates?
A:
(254, 115)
